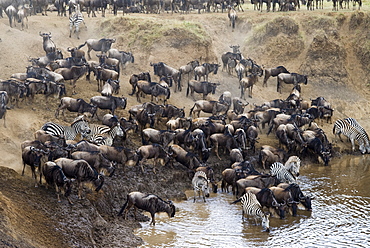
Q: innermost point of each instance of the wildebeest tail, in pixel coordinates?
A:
(123, 207)
(191, 110)
(81, 45)
(187, 90)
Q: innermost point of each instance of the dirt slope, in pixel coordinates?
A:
(331, 48)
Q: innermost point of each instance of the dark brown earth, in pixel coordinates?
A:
(332, 48)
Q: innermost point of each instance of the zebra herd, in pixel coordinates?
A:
(96, 134)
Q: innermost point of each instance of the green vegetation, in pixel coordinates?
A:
(146, 31)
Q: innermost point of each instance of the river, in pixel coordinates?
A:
(340, 216)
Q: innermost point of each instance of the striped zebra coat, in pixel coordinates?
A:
(200, 185)
(78, 126)
(343, 127)
(105, 135)
(75, 20)
(282, 174)
(252, 207)
(353, 122)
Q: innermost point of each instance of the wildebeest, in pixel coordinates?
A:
(75, 105)
(273, 72)
(187, 159)
(121, 155)
(267, 199)
(123, 57)
(228, 141)
(103, 75)
(4, 100)
(32, 157)
(82, 172)
(188, 68)
(148, 202)
(213, 107)
(102, 45)
(259, 181)
(155, 151)
(247, 83)
(73, 73)
(109, 102)
(136, 77)
(205, 69)
(225, 58)
(201, 87)
(55, 176)
(48, 45)
(97, 160)
(162, 137)
(110, 87)
(163, 70)
(290, 78)
(297, 196)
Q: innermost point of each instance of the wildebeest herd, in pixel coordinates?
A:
(60, 159)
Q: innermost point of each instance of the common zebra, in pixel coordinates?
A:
(200, 185)
(252, 207)
(75, 20)
(79, 125)
(343, 127)
(353, 122)
(107, 138)
(282, 174)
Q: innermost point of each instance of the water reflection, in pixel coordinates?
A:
(339, 218)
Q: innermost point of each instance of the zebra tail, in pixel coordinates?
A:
(123, 207)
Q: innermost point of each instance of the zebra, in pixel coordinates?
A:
(75, 20)
(106, 138)
(353, 122)
(283, 175)
(200, 185)
(252, 207)
(343, 127)
(79, 125)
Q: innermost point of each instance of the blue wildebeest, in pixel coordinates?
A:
(108, 102)
(290, 78)
(122, 56)
(54, 176)
(188, 68)
(148, 202)
(4, 100)
(82, 172)
(205, 69)
(273, 72)
(32, 157)
(163, 70)
(48, 45)
(202, 87)
(102, 45)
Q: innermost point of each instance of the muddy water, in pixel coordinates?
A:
(340, 216)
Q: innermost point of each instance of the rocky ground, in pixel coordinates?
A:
(330, 47)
